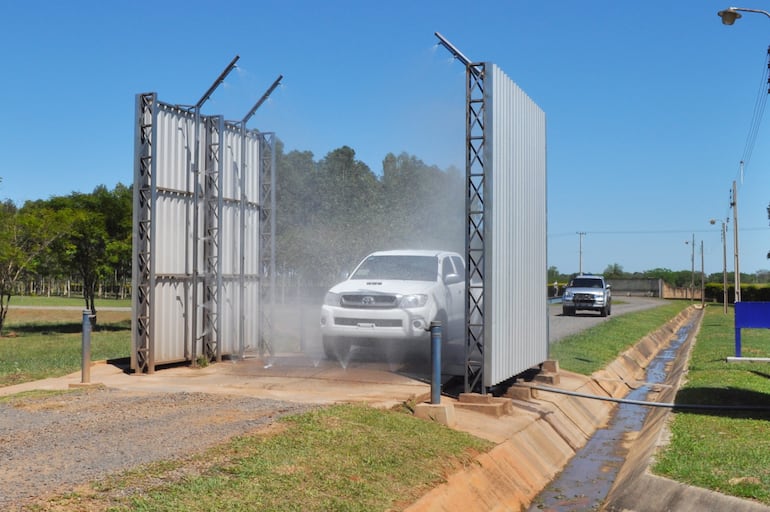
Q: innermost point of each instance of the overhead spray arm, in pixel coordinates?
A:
(216, 83)
(458, 54)
(261, 100)
(454, 51)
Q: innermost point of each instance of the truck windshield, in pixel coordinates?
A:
(409, 268)
(586, 283)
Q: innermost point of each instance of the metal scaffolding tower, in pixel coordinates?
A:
(267, 241)
(212, 240)
(474, 209)
(144, 206)
(474, 237)
(204, 224)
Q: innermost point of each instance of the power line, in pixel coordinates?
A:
(653, 232)
(756, 119)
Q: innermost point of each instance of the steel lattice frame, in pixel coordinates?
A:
(474, 236)
(212, 247)
(267, 241)
(171, 186)
(143, 246)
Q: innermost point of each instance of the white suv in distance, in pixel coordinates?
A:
(390, 300)
(587, 292)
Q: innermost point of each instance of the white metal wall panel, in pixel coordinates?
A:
(172, 216)
(175, 148)
(516, 310)
(173, 237)
(171, 327)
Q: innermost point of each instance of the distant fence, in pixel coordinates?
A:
(70, 288)
(653, 288)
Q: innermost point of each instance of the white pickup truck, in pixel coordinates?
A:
(588, 292)
(390, 300)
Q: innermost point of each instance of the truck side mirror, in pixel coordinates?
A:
(453, 278)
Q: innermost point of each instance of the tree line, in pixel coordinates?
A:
(330, 213)
(675, 278)
(80, 237)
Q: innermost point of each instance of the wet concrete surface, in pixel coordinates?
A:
(584, 483)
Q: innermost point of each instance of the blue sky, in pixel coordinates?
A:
(648, 104)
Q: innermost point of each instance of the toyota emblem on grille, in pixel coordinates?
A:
(367, 300)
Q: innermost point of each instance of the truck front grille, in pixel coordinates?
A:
(368, 300)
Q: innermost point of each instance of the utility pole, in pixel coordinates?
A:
(724, 266)
(702, 284)
(734, 206)
(581, 234)
(692, 266)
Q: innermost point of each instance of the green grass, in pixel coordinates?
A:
(32, 300)
(41, 344)
(727, 451)
(344, 457)
(593, 349)
(353, 458)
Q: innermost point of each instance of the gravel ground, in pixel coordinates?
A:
(49, 445)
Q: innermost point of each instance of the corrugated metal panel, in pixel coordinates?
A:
(171, 331)
(173, 247)
(173, 235)
(515, 313)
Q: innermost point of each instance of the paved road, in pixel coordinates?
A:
(560, 326)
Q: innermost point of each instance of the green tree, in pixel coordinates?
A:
(334, 211)
(25, 235)
(614, 271)
(425, 206)
(97, 244)
(552, 275)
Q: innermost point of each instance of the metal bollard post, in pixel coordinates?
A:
(435, 356)
(86, 348)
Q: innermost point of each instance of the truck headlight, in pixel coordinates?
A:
(567, 295)
(332, 299)
(416, 300)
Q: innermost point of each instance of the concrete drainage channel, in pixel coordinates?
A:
(561, 452)
(586, 481)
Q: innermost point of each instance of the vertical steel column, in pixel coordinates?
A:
(475, 114)
(475, 225)
(266, 242)
(266, 176)
(207, 335)
(195, 275)
(242, 246)
(213, 239)
(143, 268)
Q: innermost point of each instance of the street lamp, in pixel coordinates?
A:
(731, 14)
